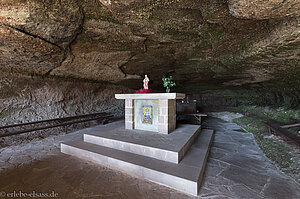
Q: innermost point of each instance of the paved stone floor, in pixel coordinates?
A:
(236, 169)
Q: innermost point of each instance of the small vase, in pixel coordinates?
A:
(168, 89)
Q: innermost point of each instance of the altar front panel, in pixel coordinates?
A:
(146, 115)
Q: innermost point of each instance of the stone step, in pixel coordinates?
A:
(185, 176)
(171, 148)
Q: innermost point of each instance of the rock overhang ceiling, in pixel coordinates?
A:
(219, 42)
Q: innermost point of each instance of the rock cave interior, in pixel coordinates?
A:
(64, 58)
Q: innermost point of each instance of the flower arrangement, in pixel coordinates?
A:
(168, 83)
(142, 90)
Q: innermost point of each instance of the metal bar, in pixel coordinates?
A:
(290, 125)
(291, 136)
(296, 119)
(52, 120)
(275, 126)
(51, 126)
(270, 130)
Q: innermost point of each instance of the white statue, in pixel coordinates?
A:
(146, 80)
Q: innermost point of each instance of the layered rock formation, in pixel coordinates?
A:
(24, 99)
(237, 45)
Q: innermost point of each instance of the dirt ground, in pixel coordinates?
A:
(73, 178)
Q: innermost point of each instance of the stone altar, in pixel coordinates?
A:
(175, 160)
(151, 111)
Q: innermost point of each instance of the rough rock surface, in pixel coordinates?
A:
(236, 169)
(260, 9)
(37, 35)
(24, 99)
(220, 42)
(229, 52)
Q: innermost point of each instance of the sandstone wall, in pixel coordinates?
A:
(29, 99)
(248, 47)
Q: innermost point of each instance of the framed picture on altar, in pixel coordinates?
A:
(147, 114)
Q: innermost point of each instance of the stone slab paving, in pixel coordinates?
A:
(236, 168)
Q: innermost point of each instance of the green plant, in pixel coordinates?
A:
(168, 83)
(284, 155)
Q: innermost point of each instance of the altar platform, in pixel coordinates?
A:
(151, 111)
(176, 160)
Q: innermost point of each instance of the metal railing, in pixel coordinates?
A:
(14, 129)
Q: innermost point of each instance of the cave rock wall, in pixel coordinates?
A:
(30, 99)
